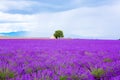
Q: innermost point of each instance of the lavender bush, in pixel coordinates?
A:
(73, 59)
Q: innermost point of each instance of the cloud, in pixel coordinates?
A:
(40, 6)
(85, 21)
(94, 22)
(13, 27)
(14, 22)
(30, 6)
(6, 5)
(12, 17)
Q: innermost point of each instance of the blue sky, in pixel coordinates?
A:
(98, 19)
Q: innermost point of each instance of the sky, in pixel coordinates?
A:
(93, 19)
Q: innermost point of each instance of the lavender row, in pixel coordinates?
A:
(59, 60)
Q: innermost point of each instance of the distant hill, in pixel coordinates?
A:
(14, 34)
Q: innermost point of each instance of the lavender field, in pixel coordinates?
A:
(64, 59)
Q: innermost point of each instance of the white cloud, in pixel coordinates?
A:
(15, 22)
(13, 17)
(28, 5)
(101, 22)
(13, 27)
(6, 5)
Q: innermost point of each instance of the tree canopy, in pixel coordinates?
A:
(58, 34)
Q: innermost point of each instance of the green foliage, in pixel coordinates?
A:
(2, 76)
(63, 77)
(107, 60)
(6, 74)
(11, 75)
(98, 72)
(58, 34)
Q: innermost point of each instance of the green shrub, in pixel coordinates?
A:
(107, 60)
(97, 73)
(63, 77)
(11, 75)
(2, 76)
(6, 74)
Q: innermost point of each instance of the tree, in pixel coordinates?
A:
(58, 34)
